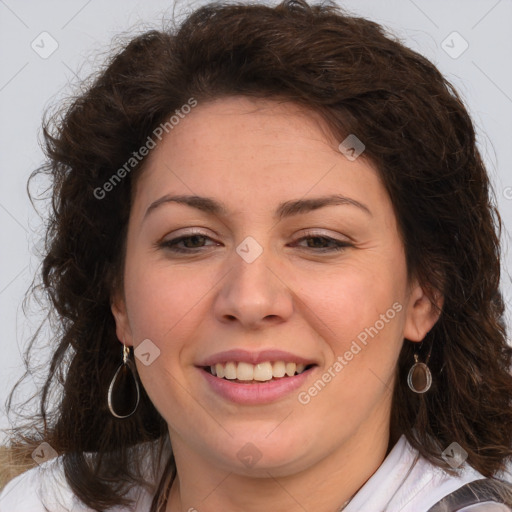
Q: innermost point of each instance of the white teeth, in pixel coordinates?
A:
(290, 369)
(245, 371)
(261, 372)
(219, 368)
(230, 371)
(278, 369)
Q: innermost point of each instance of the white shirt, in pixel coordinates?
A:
(404, 482)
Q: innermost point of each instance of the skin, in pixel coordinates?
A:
(293, 297)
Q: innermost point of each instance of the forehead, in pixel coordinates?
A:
(253, 150)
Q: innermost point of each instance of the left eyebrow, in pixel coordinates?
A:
(289, 208)
(286, 209)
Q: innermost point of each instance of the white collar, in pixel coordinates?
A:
(407, 482)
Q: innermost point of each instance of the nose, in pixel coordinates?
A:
(253, 294)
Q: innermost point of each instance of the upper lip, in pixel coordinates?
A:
(245, 356)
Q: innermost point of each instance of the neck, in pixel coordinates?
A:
(202, 487)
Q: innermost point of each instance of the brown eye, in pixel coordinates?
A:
(189, 243)
(320, 243)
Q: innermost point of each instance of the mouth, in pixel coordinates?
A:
(246, 373)
(256, 378)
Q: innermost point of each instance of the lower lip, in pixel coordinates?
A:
(253, 394)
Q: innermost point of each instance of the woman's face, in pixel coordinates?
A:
(264, 269)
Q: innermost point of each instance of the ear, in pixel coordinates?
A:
(422, 312)
(123, 329)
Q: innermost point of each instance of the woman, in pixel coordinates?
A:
(277, 219)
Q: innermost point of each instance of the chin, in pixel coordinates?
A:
(260, 456)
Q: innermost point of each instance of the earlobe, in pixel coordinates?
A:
(118, 308)
(422, 313)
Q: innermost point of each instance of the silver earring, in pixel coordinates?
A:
(124, 393)
(419, 378)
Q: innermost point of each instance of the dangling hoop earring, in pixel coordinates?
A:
(124, 393)
(419, 378)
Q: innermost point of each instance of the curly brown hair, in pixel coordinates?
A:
(361, 80)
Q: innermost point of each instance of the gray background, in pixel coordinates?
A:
(31, 81)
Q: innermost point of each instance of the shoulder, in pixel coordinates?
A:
(44, 489)
(40, 489)
(407, 482)
(461, 490)
(442, 490)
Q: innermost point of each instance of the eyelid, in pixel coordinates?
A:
(195, 231)
(185, 232)
(337, 237)
(314, 232)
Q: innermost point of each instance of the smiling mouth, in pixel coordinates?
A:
(246, 373)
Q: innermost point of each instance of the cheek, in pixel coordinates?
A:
(360, 315)
(160, 304)
(159, 298)
(352, 299)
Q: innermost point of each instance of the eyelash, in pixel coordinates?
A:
(172, 244)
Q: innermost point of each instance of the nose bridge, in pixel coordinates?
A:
(251, 293)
